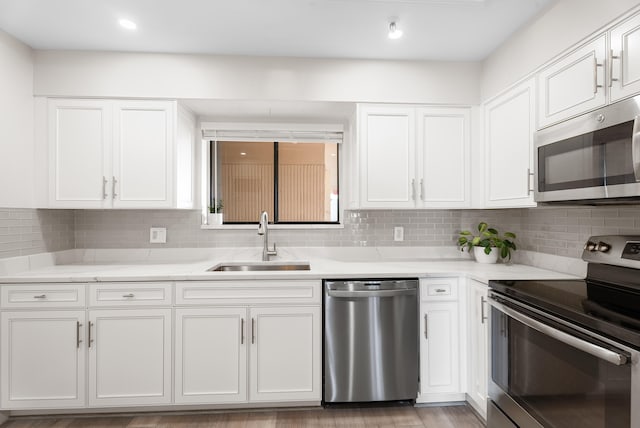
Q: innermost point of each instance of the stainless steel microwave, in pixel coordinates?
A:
(591, 159)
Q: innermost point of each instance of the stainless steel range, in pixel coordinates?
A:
(567, 353)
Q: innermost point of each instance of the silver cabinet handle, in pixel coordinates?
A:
(529, 175)
(580, 344)
(611, 58)
(426, 326)
(413, 189)
(113, 188)
(595, 75)
(104, 187)
(40, 296)
(78, 341)
(440, 290)
(130, 295)
(635, 148)
(483, 316)
(422, 189)
(90, 340)
(242, 331)
(253, 331)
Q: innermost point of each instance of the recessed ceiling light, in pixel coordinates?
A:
(128, 24)
(394, 31)
(243, 153)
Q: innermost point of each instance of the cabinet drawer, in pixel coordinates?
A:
(247, 292)
(43, 295)
(130, 294)
(439, 289)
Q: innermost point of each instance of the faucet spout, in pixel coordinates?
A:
(263, 229)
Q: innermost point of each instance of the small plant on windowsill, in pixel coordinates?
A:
(487, 245)
(215, 212)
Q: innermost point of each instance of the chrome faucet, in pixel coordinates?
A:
(263, 229)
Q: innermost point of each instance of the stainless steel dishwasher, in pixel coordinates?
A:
(370, 340)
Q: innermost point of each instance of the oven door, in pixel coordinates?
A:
(545, 373)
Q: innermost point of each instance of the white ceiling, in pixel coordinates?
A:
(450, 30)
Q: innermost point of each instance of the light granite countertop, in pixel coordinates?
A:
(336, 263)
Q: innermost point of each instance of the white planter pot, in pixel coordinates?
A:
(214, 218)
(481, 257)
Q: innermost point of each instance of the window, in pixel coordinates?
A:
(296, 183)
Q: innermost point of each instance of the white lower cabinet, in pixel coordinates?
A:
(42, 359)
(478, 365)
(211, 355)
(267, 350)
(440, 336)
(129, 357)
(285, 360)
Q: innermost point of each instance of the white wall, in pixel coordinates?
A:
(560, 27)
(16, 123)
(103, 74)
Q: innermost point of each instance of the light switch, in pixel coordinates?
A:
(398, 233)
(158, 235)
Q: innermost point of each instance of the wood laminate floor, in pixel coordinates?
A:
(391, 417)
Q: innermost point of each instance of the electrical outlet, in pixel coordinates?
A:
(398, 233)
(158, 235)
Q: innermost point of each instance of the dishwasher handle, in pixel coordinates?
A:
(371, 293)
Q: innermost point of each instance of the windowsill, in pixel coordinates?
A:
(271, 226)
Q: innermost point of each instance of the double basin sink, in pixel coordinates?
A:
(259, 266)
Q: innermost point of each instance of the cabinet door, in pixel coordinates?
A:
(79, 134)
(285, 355)
(625, 59)
(443, 146)
(143, 147)
(439, 348)
(478, 368)
(387, 157)
(574, 84)
(129, 357)
(211, 355)
(509, 128)
(43, 359)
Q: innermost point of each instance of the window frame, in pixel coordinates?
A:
(210, 152)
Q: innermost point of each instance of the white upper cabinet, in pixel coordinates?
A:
(509, 128)
(79, 152)
(118, 154)
(624, 80)
(574, 84)
(143, 152)
(387, 157)
(414, 157)
(443, 147)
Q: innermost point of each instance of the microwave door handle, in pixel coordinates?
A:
(582, 345)
(635, 148)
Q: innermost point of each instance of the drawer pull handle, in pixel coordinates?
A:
(440, 290)
(130, 295)
(483, 302)
(426, 326)
(40, 296)
(242, 331)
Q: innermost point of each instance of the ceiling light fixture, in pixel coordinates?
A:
(243, 153)
(128, 24)
(394, 32)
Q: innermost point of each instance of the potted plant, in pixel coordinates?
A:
(488, 245)
(215, 212)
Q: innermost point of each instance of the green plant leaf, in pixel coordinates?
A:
(482, 226)
(504, 252)
(487, 250)
(475, 240)
(510, 235)
(465, 232)
(492, 231)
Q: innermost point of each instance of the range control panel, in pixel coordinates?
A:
(617, 250)
(631, 251)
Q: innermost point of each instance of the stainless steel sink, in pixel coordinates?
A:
(260, 266)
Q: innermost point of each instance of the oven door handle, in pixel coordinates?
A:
(582, 345)
(635, 148)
